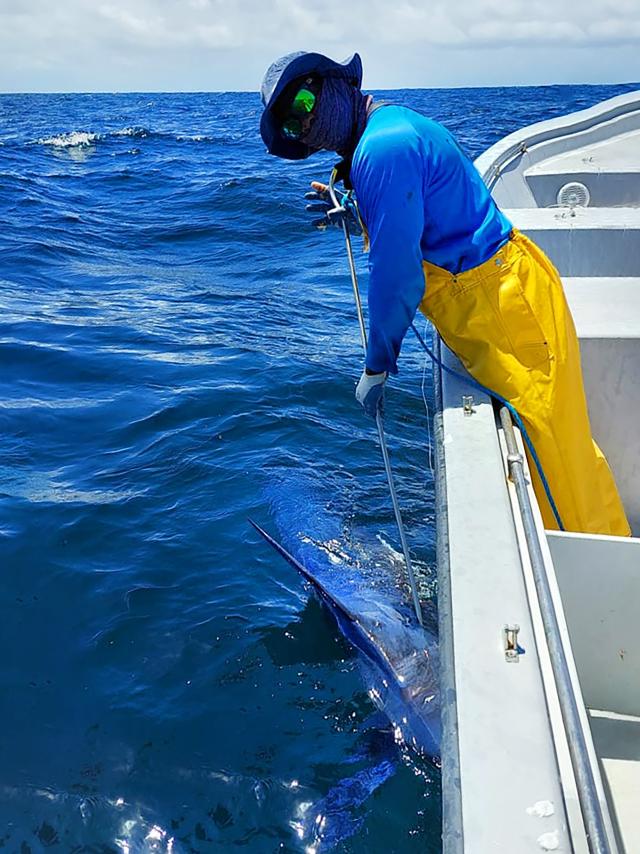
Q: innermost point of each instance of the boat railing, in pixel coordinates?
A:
(502, 156)
(590, 804)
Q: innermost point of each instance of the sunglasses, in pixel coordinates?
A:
(301, 107)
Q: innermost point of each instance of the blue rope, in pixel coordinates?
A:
(514, 415)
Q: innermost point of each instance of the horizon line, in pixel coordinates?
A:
(257, 92)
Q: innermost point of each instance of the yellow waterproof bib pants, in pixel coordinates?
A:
(509, 323)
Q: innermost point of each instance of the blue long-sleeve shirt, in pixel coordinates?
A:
(421, 198)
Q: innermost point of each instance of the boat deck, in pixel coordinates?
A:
(585, 242)
(617, 742)
(611, 155)
(609, 169)
(623, 217)
(617, 315)
(509, 779)
(597, 148)
(606, 312)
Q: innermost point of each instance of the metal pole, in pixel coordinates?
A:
(379, 422)
(583, 772)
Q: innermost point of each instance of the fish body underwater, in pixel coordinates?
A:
(364, 587)
(398, 658)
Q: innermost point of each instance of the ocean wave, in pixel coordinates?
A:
(136, 132)
(82, 139)
(85, 139)
(198, 138)
(73, 139)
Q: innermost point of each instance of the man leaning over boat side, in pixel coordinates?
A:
(438, 242)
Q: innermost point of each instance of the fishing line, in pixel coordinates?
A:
(340, 210)
(514, 414)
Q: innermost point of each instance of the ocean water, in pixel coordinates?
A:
(177, 347)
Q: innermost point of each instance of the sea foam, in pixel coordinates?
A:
(75, 138)
(138, 132)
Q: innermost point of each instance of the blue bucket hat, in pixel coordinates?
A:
(278, 77)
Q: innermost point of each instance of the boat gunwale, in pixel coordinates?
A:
(491, 162)
(452, 818)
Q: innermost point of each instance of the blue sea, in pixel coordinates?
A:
(178, 346)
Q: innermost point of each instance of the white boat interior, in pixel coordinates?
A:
(511, 779)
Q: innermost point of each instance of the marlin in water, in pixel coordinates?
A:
(397, 657)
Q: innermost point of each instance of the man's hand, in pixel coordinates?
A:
(369, 392)
(322, 204)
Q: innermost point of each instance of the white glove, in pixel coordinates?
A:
(369, 391)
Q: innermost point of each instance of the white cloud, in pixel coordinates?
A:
(224, 45)
(156, 31)
(615, 30)
(507, 33)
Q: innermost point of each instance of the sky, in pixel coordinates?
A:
(219, 45)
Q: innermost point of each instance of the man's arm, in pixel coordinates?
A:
(389, 178)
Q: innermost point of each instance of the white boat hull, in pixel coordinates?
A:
(509, 776)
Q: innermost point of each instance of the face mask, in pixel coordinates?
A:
(339, 117)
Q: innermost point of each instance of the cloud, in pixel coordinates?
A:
(153, 29)
(615, 30)
(228, 39)
(507, 33)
